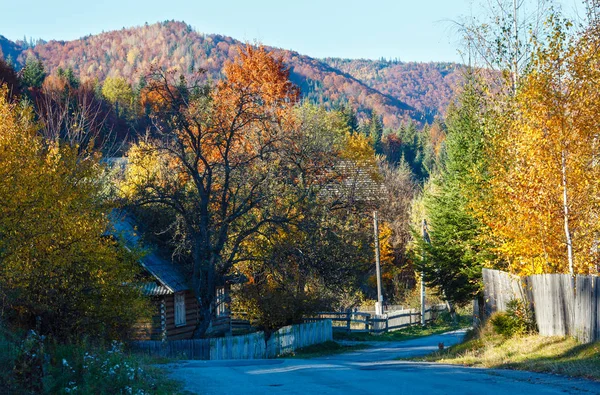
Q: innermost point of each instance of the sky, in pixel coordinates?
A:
(409, 30)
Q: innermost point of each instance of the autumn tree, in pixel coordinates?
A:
(220, 164)
(118, 92)
(501, 40)
(71, 112)
(324, 250)
(545, 182)
(58, 271)
(394, 203)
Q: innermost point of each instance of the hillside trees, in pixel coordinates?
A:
(221, 164)
(57, 271)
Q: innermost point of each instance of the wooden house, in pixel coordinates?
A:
(175, 308)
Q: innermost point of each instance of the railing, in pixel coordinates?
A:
(356, 321)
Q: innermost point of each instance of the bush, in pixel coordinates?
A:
(518, 319)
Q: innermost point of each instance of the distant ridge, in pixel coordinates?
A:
(398, 92)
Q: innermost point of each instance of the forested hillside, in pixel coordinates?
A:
(427, 87)
(8, 49)
(398, 92)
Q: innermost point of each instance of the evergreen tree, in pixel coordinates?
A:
(33, 73)
(72, 80)
(375, 132)
(349, 116)
(453, 259)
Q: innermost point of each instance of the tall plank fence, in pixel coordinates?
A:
(356, 321)
(563, 305)
(252, 346)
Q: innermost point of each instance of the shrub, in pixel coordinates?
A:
(28, 370)
(518, 319)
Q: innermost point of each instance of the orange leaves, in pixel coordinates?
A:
(156, 98)
(256, 85)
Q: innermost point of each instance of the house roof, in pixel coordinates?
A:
(356, 182)
(164, 271)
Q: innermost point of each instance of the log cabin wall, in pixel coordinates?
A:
(192, 315)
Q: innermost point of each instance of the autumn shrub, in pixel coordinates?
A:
(518, 319)
(270, 307)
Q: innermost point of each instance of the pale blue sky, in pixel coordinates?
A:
(416, 30)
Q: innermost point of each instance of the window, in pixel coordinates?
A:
(180, 309)
(221, 302)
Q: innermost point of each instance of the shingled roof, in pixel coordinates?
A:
(355, 183)
(168, 275)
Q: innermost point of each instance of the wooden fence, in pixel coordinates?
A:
(290, 338)
(353, 321)
(563, 305)
(252, 346)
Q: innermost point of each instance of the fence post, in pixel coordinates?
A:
(348, 318)
(367, 319)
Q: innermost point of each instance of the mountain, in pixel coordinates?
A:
(9, 50)
(426, 87)
(399, 92)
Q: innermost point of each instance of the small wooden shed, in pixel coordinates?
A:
(175, 308)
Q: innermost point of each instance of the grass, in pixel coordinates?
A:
(325, 349)
(441, 325)
(558, 355)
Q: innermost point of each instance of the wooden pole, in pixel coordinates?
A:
(379, 304)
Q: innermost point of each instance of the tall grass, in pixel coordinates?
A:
(558, 355)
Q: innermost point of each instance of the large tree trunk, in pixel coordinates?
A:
(204, 284)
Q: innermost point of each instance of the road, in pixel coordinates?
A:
(370, 371)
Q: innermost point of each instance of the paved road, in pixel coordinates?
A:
(370, 371)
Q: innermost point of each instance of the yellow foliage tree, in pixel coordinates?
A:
(57, 269)
(118, 92)
(545, 180)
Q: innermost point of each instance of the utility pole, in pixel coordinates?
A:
(426, 240)
(379, 303)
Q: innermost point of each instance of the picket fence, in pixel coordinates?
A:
(284, 341)
(563, 305)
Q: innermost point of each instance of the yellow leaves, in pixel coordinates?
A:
(117, 91)
(385, 245)
(358, 148)
(551, 119)
(51, 225)
(132, 56)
